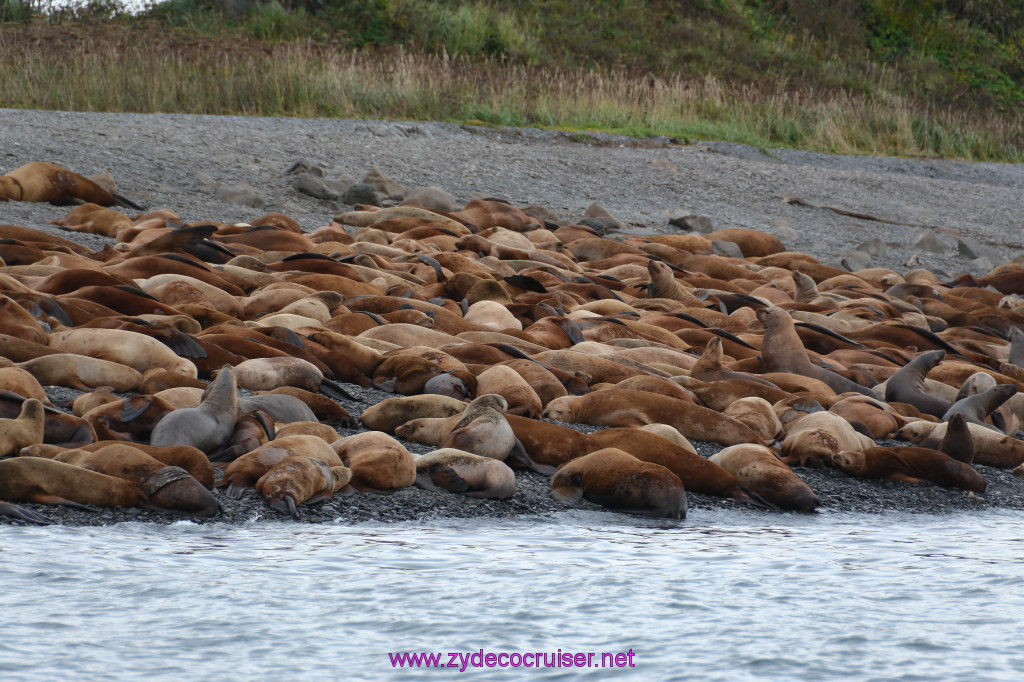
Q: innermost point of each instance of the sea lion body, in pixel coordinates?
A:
(245, 471)
(207, 427)
(379, 463)
(44, 481)
(458, 471)
(763, 473)
(615, 479)
(300, 480)
(910, 464)
(27, 429)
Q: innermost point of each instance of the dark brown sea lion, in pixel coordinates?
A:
(910, 464)
(244, 472)
(760, 470)
(251, 430)
(615, 479)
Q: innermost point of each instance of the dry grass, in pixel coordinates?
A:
(138, 71)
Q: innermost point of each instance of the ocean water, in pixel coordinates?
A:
(729, 595)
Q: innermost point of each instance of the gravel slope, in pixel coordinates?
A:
(183, 162)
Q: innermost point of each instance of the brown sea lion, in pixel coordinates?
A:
(869, 416)
(379, 463)
(251, 430)
(636, 408)
(103, 395)
(991, 448)
(782, 351)
(44, 481)
(244, 472)
(462, 472)
(207, 427)
(47, 182)
(910, 464)
(762, 473)
(168, 487)
(504, 381)
(756, 413)
(615, 479)
(300, 480)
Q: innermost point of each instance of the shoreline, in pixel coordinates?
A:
(632, 182)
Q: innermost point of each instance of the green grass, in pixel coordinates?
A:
(918, 77)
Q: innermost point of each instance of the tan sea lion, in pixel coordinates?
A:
(265, 374)
(636, 408)
(134, 350)
(910, 464)
(103, 395)
(328, 433)
(379, 463)
(615, 479)
(812, 440)
(207, 427)
(869, 416)
(481, 429)
(82, 373)
(300, 480)
(458, 471)
(44, 481)
(27, 429)
(757, 413)
(760, 470)
(991, 448)
(389, 414)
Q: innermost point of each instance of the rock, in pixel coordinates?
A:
(969, 248)
(360, 193)
(783, 230)
(104, 180)
(431, 198)
(600, 225)
(693, 223)
(241, 195)
(926, 240)
(982, 264)
(724, 248)
(383, 185)
(856, 254)
(316, 187)
(873, 247)
(303, 166)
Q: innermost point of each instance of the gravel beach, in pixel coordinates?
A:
(234, 169)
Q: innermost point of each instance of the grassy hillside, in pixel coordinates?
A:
(919, 77)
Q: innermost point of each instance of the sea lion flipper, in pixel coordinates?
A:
(333, 390)
(521, 458)
(567, 494)
(45, 498)
(449, 479)
(134, 406)
(121, 200)
(286, 506)
(22, 514)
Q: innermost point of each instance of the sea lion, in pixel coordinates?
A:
(251, 430)
(812, 440)
(168, 487)
(976, 407)
(27, 429)
(44, 481)
(991, 448)
(481, 429)
(379, 463)
(265, 374)
(279, 407)
(21, 514)
(762, 473)
(458, 471)
(617, 480)
(906, 385)
(82, 373)
(504, 381)
(756, 413)
(328, 433)
(207, 427)
(871, 417)
(300, 480)
(245, 471)
(783, 351)
(636, 408)
(132, 349)
(326, 410)
(910, 464)
(389, 414)
(47, 182)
